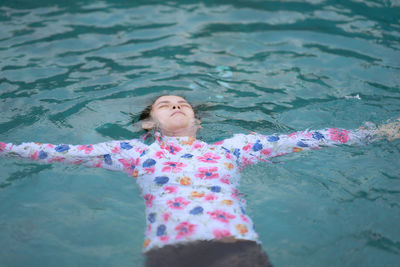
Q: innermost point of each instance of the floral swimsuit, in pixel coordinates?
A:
(189, 186)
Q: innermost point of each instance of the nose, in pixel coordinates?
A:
(176, 106)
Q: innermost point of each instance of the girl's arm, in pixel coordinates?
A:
(252, 148)
(389, 131)
(108, 155)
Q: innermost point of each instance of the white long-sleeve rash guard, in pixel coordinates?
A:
(189, 186)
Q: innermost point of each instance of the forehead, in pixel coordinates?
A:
(169, 98)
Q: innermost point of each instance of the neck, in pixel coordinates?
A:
(190, 131)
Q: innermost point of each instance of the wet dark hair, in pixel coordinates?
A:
(146, 113)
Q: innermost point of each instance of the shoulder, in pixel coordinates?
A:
(240, 138)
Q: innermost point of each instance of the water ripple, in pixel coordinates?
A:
(74, 72)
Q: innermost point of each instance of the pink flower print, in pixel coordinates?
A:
(86, 148)
(164, 238)
(300, 134)
(207, 173)
(244, 218)
(98, 164)
(130, 165)
(174, 148)
(209, 158)
(171, 148)
(266, 151)
(197, 145)
(139, 150)
(210, 197)
(221, 216)
(173, 166)
(226, 176)
(339, 135)
(50, 145)
(115, 149)
(292, 135)
(235, 194)
(150, 170)
(228, 155)
(307, 134)
(219, 143)
(159, 154)
(224, 179)
(148, 228)
(77, 162)
(166, 216)
(221, 233)
(170, 189)
(56, 159)
(34, 156)
(246, 161)
(178, 203)
(149, 200)
(247, 147)
(185, 229)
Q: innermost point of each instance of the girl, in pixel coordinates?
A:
(194, 214)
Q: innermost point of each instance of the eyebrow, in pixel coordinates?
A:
(166, 101)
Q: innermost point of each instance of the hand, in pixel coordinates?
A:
(390, 131)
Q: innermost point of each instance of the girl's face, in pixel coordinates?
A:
(173, 114)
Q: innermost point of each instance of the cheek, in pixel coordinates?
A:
(191, 113)
(158, 116)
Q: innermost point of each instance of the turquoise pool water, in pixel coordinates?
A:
(76, 72)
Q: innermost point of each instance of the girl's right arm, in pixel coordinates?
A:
(108, 155)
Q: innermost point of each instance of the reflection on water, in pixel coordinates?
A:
(76, 72)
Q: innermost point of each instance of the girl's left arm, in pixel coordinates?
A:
(251, 148)
(105, 155)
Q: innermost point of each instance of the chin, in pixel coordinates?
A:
(178, 124)
(178, 127)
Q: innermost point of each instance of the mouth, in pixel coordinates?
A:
(177, 112)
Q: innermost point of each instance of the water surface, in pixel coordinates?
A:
(76, 72)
